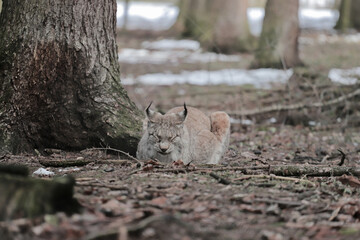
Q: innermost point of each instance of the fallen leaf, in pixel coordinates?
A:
(349, 180)
(160, 201)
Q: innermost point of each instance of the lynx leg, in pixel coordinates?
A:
(220, 127)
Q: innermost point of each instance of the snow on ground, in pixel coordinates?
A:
(147, 15)
(331, 38)
(43, 172)
(161, 16)
(345, 76)
(172, 44)
(135, 56)
(260, 78)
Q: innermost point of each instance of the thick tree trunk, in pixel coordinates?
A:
(278, 44)
(344, 21)
(60, 79)
(355, 14)
(349, 15)
(217, 25)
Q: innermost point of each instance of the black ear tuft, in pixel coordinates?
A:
(148, 109)
(185, 110)
(181, 116)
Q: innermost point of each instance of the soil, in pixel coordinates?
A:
(239, 199)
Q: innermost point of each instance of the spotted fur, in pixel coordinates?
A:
(184, 133)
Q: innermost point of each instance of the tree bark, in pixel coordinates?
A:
(349, 15)
(217, 25)
(60, 78)
(344, 21)
(278, 44)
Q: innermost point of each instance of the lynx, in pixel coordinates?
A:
(184, 133)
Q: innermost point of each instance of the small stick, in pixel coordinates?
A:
(275, 177)
(220, 179)
(343, 156)
(117, 150)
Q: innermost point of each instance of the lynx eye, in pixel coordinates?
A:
(173, 138)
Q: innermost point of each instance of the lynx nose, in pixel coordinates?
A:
(164, 147)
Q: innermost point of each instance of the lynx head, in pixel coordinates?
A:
(165, 131)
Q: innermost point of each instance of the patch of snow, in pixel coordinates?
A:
(241, 121)
(345, 76)
(70, 169)
(147, 16)
(317, 3)
(272, 120)
(135, 56)
(172, 44)
(312, 18)
(260, 78)
(255, 20)
(43, 172)
(313, 123)
(334, 38)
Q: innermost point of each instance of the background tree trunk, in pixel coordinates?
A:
(349, 15)
(278, 44)
(355, 14)
(60, 78)
(344, 21)
(217, 25)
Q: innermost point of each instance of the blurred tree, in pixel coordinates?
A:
(126, 14)
(217, 25)
(278, 44)
(60, 78)
(349, 15)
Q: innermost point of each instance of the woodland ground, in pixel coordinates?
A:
(123, 200)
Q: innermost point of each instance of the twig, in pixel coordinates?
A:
(220, 179)
(343, 156)
(275, 177)
(335, 213)
(277, 108)
(64, 162)
(117, 150)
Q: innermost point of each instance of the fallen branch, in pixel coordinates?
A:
(278, 108)
(314, 170)
(65, 163)
(245, 177)
(220, 179)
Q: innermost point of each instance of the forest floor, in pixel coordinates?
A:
(243, 197)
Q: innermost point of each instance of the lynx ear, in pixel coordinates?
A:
(150, 113)
(182, 115)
